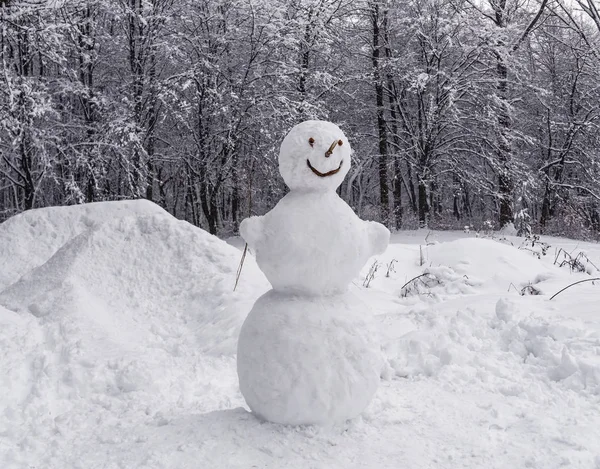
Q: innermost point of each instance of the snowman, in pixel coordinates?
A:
(307, 352)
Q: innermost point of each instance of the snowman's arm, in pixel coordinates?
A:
(379, 237)
(251, 229)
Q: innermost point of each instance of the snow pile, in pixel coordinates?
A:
(440, 281)
(485, 263)
(508, 230)
(510, 351)
(32, 237)
(308, 361)
(439, 271)
(139, 281)
(133, 305)
(493, 263)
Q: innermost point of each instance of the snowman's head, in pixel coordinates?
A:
(314, 155)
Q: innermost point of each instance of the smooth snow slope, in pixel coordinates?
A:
(31, 238)
(117, 341)
(142, 281)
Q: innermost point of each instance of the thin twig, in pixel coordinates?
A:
(416, 278)
(557, 254)
(239, 271)
(569, 286)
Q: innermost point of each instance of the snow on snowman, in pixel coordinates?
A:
(308, 352)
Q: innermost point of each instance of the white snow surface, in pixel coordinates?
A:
(305, 360)
(32, 237)
(118, 339)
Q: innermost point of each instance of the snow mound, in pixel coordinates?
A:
(436, 282)
(136, 307)
(140, 281)
(29, 239)
(508, 230)
(511, 351)
(486, 262)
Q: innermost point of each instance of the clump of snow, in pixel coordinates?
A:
(308, 360)
(313, 243)
(436, 282)
(508, 230)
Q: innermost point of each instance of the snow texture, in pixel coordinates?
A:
(306, 354)
(30, 238)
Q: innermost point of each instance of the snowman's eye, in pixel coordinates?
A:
(340, 143)
(311, 141)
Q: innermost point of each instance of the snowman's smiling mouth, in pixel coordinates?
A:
(324, 175)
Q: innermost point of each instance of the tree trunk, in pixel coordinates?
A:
(423, 206)
(376, 14)
(398, 178)
(456, 198)
(411, 188)
(505, 179)
(151, 128)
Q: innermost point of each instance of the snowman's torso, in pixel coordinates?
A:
(312, 242)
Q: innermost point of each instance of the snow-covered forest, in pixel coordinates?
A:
(460, 112)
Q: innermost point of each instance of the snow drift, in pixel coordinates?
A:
(136, 280)
(29, 239)
(488, 262)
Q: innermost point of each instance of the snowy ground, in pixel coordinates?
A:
(118, 330)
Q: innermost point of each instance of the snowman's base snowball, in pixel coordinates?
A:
(308, 360)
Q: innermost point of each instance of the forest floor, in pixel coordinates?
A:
(118, 330)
